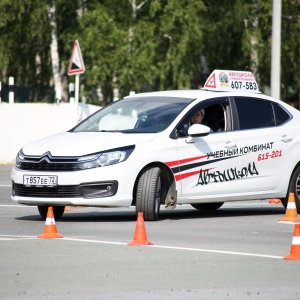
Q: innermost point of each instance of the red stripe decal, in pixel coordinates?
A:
(183, 161)
(189, 174)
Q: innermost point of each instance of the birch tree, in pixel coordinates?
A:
(134, 11)
(54, 51)
(254, 49)
(143, 45)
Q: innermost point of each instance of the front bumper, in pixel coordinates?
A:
(106, 186)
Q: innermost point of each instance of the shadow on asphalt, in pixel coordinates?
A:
(177, 214)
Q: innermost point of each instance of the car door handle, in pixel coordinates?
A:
(285, 138)
(230, 145)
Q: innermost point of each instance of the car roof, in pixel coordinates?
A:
(198, 94)
(175, 93)
(220, 83)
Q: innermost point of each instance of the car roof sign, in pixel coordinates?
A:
(228, 81)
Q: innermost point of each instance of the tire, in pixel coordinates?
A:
(148, 194)
(207, 206)
(58, 211)
(294, 187)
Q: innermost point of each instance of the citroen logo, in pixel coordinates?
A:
(46, 157)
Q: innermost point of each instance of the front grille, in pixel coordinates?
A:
(48, 166)
(47, 162)
(61, 191)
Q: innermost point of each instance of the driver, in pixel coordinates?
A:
(198, 117)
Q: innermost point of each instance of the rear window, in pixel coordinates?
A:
(281, 116)
(254, 113)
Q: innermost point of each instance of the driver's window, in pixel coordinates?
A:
(215, 117)
(195, 116)
(212, 116)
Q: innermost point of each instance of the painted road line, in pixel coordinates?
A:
(17, 206)
(181, 248)
(18, 237)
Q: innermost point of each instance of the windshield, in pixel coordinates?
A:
(135, 115)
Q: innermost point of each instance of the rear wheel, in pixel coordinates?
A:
(148, 194)
(207, 206)
(58, 211)
(294, 187)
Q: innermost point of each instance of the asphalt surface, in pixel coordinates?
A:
(235, 252)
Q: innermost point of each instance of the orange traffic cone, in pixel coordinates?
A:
(295, 248)
(140, 236)
(50, 231)
(274, 201)
(291, 210)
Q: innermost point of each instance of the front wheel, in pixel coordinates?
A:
(294, 187)
(207, 206)
(58, 211)
(148, 194)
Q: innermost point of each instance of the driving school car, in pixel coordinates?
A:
(142, 151)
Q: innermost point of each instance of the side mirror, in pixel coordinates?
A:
(197, 130)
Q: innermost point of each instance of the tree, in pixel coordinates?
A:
(24, 44)
(144, 45)
(181, 43)
(102, 45)
(54, 51)
(290, 54)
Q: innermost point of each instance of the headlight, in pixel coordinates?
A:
(19, 158)
(104, 159)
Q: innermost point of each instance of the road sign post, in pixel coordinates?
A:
(76, 67)
(11, 94)
(77, 88)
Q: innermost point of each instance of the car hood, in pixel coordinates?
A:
(82, 143)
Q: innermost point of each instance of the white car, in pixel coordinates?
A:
(142, 151)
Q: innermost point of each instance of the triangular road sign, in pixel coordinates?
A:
(76, 63)
(211, 82)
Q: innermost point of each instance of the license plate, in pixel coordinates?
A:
(40, 180)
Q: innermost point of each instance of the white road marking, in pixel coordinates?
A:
(180, 248)
(18, 237)
(17, 206)
(4, 237)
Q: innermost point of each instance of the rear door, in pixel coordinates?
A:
(266, 140)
